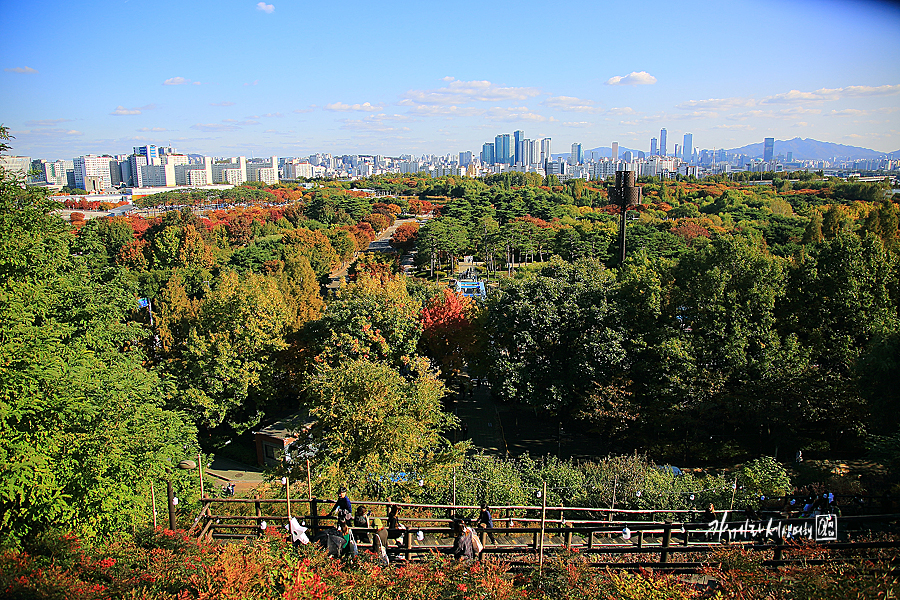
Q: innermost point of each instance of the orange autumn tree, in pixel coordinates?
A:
(449, 331)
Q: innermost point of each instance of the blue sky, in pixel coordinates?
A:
(232, 77)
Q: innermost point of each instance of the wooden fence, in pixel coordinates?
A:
(529, 532)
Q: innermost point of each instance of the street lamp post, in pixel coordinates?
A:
(170, 492)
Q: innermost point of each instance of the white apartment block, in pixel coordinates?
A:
(93, 173)
(194, 174)
(297, 168)
(174, 159)
(233, 171)
(262, 169)
(158, 175)
(55, 172)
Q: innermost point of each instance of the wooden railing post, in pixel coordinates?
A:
(667, 538)
(687, 534)
(314, 515)
(484, 539)
(641, 538)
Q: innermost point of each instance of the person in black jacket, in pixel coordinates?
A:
(343, 507)
(486, 520)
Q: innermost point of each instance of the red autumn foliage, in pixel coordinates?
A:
(690, 230)
(405, 235)
(448, 329)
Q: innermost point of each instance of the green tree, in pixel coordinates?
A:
(371, 421)
(372, 318)
(225, 373)
(82, 426)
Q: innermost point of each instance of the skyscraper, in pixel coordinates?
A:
(545, 150)
(662, 141)
(501, 149)
(769, 149)
(518, 138)
(487, 153)
(614, 155)
(687, 150)
(653, 149)
(465, 158)
(577, 155)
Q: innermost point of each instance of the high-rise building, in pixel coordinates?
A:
(150, 152)
(687, 150)
(677, 151)
(662, 141)
(487, 153)
(93, 173)
(518, 149)
(614, 155)
(790, 157)
(545, 151)
(465, 158)
(653, 149)
(769, 149)
(628, 156)
(577, 155)
(501, 149)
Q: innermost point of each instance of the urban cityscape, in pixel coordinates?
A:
(151, 166)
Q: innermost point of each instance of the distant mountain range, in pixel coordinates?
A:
(807, 149)
(802, 149)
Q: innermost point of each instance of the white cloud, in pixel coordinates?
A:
(20, 70)
(734, 127)
(625, 110)
(513, 114)
(226, 103)
(214, 127)
(831, 94)
(716, 103)
(633, 78)
(266, 8)
(848, 112)
(800, 124)
(46, 122)
(577, 124)
(364, 107)
(462, 92)
(571, 104)
(301, 111)
(784, 113)
(791, 97)
(153, 129)
(372, 123)
(121, 110)
(689, 116)
(180, 81)
(423, 110)
(273, 115)
(254, 82)
(50, 133)
(247, 121)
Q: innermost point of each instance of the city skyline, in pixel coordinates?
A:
(246, 78)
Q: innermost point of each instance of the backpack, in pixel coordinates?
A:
(476, 541)
(331, 541)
